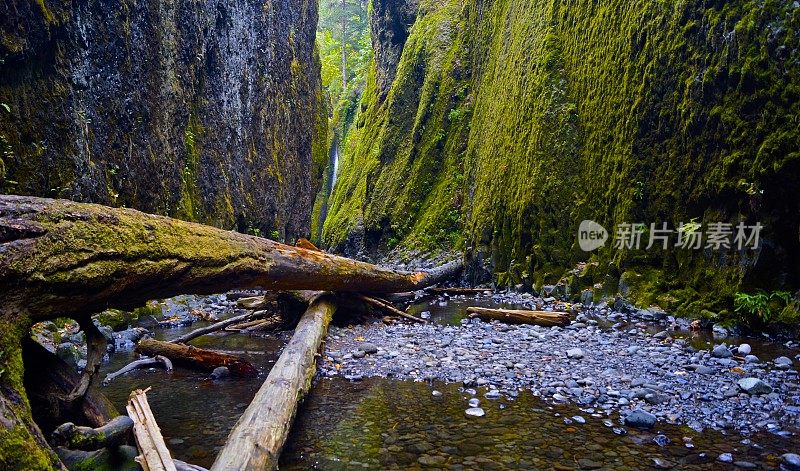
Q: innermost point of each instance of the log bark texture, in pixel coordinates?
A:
(258, 436)
(62, 259)
(194, 357)
(512, 316)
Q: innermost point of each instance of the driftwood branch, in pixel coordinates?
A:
(512, 316)
(258, 436)
(153, 452)
(141, 363)
(96, 348)
(386, 307)
(188, 337)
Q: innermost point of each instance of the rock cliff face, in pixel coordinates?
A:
(509, 122)
(390, 21)
(207, 111)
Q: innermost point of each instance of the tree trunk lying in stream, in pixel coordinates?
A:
(114, 433)
(60, 258)
(258, 436)
(194, 357)
(512, 316)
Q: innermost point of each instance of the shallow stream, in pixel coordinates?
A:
(384, 424)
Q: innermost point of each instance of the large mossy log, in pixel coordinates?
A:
(60, 258)
(258, 436)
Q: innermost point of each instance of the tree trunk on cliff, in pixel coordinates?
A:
(343, 43)
(258, 436)
(194, 357)
(60, 258)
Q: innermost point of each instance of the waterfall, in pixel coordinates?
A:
(335, 166)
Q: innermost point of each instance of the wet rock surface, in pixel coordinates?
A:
(609, 362)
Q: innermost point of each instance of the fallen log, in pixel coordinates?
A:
(512, 316)
(250, 303)
(459, 290)
(194, 357)
(153, 452)
(384, 306)
(66, 259)
(244, 325)
(141, 363)
(186, 338)
(258, 436)
(75, 437)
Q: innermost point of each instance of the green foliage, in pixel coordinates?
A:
(760, 307)
(343, 30)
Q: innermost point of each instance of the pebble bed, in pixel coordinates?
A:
(606, 370)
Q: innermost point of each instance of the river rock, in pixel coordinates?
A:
(69, 353)
(791, 461)
(744, 349)
(719, 331)
(640, 419)
(475, 412)
(474, 402)
(369, 348)
(754, 386)
(575, 353)
(220, 372)
(751, 359)
(721, 351)
(783, 362)
(725, 458)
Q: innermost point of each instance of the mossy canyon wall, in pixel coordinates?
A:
(510, 121)
(206, 111)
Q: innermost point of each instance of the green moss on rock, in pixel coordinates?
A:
(511, 121)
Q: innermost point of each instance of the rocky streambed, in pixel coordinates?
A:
(632, 369)
(616, 389)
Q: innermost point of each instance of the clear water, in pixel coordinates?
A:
(385, 424)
